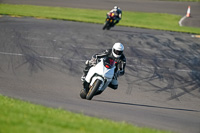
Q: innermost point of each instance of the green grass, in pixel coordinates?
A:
(22, 117)
(158, 21)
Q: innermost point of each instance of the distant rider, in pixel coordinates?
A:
(118, 13)
(120, 62)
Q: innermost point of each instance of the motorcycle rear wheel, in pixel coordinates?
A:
(93, 89)
(83, 94)
(108, 27)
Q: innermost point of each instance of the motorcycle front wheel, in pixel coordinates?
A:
(93, 89)
(105, 25)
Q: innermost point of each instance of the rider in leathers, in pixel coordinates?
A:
(118, 13)
(120, 62)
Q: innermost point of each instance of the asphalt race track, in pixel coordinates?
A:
(41, 61)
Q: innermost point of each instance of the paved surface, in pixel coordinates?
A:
(42, 60)
(179, 8)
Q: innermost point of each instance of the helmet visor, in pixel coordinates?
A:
(117, 52)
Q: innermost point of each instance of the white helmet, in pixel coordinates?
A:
(115, 7)
(117, 50)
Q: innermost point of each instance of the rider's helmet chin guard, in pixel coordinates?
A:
(117, 50)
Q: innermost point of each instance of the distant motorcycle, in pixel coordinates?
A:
(98, 78)
(109, 21)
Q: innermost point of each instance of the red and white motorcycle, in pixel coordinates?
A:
(109, 21)
(98, 78)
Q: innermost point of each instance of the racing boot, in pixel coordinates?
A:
(114, 83)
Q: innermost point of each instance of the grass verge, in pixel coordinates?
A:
(158, 21)
(22, 117)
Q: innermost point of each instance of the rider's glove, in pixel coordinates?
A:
(93, 61)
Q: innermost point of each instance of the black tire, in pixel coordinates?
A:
(105, 25)
(93, 89)
(83, 94)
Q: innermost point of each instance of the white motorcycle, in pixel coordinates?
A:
(98, 78)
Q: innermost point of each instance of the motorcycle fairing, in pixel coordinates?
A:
(99, 71)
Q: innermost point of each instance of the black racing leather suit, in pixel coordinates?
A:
(118, 16)
(120, 63)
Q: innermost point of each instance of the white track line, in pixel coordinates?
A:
(46, 57)
(180, 22)
(57, 58)
(13, 54)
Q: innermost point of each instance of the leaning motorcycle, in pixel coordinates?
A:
(98, 78)
(109, 21)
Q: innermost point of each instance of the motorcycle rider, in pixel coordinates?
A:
(118, 13)
(120, 62)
